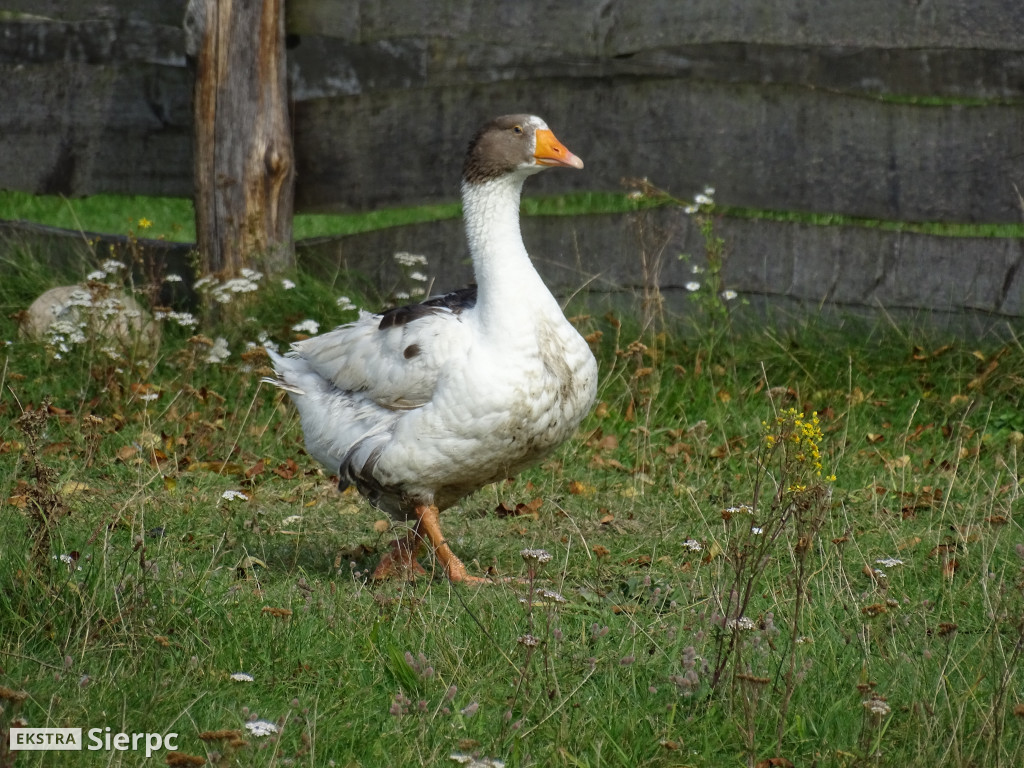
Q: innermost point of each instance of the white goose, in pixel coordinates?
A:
(425, 404)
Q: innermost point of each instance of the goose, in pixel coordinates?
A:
(421, 405)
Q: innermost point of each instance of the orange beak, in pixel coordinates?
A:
(550, 151)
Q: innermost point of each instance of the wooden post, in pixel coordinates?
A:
(244, 165)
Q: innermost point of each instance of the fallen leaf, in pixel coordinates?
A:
(601, 551)
(217, 467)
(576, 488)
(288, 470)
(908, 543)
(126, 452)
(874, 437)
(949, 567)
(712, 551)
(942, 550)
(256, 469)
(607, 518)
(382, 526)
(72, 487)
(676, 448)
(900, 463)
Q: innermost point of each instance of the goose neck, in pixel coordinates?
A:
(504, 273)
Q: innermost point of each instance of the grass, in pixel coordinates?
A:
(133, 584)
(173, 218)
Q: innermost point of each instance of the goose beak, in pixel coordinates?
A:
(550, 151)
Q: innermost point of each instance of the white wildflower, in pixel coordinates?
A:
(536, 555)
(472, 761)
(219, 352)
(729, 294)
(693, 545)
(756, 531)
(703, 200)
(877, 707)
(242, 677)
(345, 303)
(418, 276)
(889, 562)
(111, 266)
(79, 298)
(742, 509)
(149, 397)
(97, 275)
(692, 286)
(67, 560)
(260, 728)
(173, 278)
(401, 295)
(550, 594)
(691, 209)
(232, 495)
(223, 292)
(111, 306)
(307, 326)
(741, 623)
(410, 259)
(184, 319)
(287, 284)
(696, 269)
(291, 520)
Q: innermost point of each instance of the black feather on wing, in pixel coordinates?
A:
(455, 302)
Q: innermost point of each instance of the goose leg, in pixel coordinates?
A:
(430, 525)
(400, 561)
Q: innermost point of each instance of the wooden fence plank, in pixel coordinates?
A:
(600, 254)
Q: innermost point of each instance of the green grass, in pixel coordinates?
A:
(173, 218)
(171, 588)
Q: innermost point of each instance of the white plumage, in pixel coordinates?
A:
(423, 405)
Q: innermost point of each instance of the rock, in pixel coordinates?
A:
(75, 314)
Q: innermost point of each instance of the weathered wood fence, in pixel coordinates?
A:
(900, 111)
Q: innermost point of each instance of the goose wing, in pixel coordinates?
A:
(395, 358)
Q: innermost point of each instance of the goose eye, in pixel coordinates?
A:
(517, 129)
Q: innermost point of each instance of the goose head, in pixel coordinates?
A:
(515, 144)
